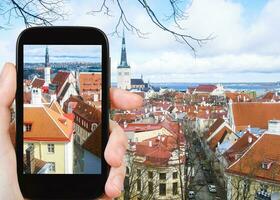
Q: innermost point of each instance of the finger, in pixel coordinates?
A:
(7, 84)
(115, 181)
(7, 89)
(116, 146)
(122, 99)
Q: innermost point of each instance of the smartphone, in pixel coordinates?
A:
(62, 112)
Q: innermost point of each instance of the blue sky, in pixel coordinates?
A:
(62, 53)
(245, 49)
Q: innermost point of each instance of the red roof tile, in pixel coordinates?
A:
(255, 114)
(266, 148)
(37, 83)
(240, 146)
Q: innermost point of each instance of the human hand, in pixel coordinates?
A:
(114, 153)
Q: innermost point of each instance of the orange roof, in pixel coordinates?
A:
(214, 127)
(90, 81)
(219, 137)
(159, 152)
(238, 97)
(47, 125)
(240, 146)
(255, 114)
(37, 83)
(60, 79)
(266, 148)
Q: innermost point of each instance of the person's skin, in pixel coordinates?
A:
(114, 153)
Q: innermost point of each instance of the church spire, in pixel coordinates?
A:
(123, 63)
(47, 63)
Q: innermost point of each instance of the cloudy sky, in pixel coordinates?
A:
(245, 48)
(62, 53)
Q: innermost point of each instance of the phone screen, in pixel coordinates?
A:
(62, 109)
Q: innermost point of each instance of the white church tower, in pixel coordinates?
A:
(47, 70)
(124, 74)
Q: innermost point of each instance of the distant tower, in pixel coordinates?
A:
(124, 74)
(47, 69)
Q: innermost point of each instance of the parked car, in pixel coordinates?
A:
(191, 194)
(212, 188)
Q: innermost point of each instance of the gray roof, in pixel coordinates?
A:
(137, 81)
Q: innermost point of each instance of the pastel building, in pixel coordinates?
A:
(49, 133)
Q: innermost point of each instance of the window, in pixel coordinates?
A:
(175, 175)
(150, 187)
(175, 188)
(52, 166)
(162, 189)
(138, 184)
(120, 73)
(150, 174)
(50, 148)
(27, 127)
(30, 145)
(162, 176)
(126, 73)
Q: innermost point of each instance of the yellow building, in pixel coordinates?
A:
(50, 133)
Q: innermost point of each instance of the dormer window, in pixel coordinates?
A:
(266, 164)
(27, 127)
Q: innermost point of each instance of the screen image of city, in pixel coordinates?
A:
(62, 109)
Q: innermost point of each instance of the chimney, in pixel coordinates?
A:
(30, 160)
(150, 143)
(124, 124)
(250, 139)
(36, 96)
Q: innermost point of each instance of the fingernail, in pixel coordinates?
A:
(118, 182)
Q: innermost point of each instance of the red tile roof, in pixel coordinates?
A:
(159, 152)
(60, 79)
(271, 96)
(46, 125)
(266, 148)
(37, 83)
(90, 82)
(219, 137)
(205, 88)
(214, 127)
(240, 146)
(255, 114)
(238, 97)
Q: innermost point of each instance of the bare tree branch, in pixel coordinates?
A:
(177, 14)
(33, 12)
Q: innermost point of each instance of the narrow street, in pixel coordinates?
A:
(199, 183)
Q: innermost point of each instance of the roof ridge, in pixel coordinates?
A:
(246, 151)
(47, 111)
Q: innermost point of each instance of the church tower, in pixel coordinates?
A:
(47, 69)
(124, 74)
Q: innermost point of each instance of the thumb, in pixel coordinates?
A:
(7, 92)
(7, 85)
